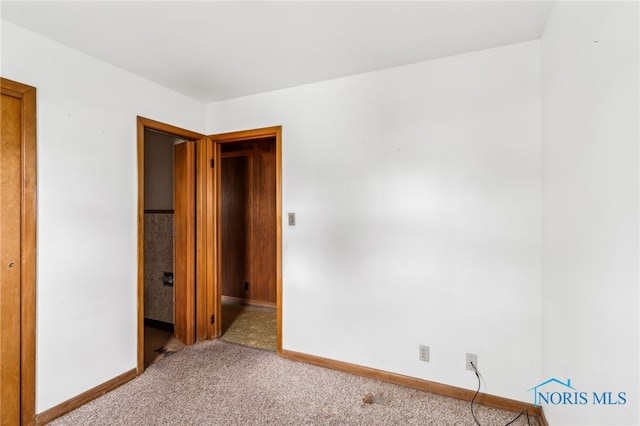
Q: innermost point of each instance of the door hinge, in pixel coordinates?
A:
(213, 318)
(212, 163)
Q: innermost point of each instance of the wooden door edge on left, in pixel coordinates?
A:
(184, 241)
(27, 94)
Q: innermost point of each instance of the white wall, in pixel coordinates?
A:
(417, 193)
(418, 196)
(590, 206)
(87, 200)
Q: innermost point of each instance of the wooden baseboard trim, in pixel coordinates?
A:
(425, 385)
(372, 373)
(73, 403)
(241, 301)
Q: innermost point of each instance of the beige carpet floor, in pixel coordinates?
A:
(221, 383)
(249, 325)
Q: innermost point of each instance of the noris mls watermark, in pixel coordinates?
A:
(556, 392)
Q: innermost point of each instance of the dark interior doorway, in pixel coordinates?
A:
(248, 233)
(166, 240)
(159, 265)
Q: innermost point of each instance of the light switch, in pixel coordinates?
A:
(292, 219)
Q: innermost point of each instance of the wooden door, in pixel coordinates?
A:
(17, 254)
(10, 249)
(184, 241)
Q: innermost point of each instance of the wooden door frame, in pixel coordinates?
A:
(210, 244)
(27, 94)
(190, 308)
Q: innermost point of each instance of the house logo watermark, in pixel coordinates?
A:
(557, 392)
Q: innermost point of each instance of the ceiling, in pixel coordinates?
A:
(212, 51)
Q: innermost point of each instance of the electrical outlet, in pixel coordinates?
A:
(472, 358)
(424, 353)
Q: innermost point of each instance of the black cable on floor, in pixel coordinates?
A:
(519, 415)
(475, 370)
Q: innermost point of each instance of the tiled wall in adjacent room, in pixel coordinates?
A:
(158, 259)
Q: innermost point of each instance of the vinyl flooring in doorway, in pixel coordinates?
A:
(249, 325)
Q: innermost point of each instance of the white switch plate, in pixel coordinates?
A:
(292, 219)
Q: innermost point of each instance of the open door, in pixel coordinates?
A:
(184, 242)
(197, 241)
(184, 228)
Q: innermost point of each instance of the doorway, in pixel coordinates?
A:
(18, 253)
(198, 285)
(248, 234)
(160, 160)
(166, 239)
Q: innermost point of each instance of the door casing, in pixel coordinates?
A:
(207, 308)
(185, 290)
(210, 244)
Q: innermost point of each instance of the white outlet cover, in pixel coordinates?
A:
(424, 353)
(471, 358)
